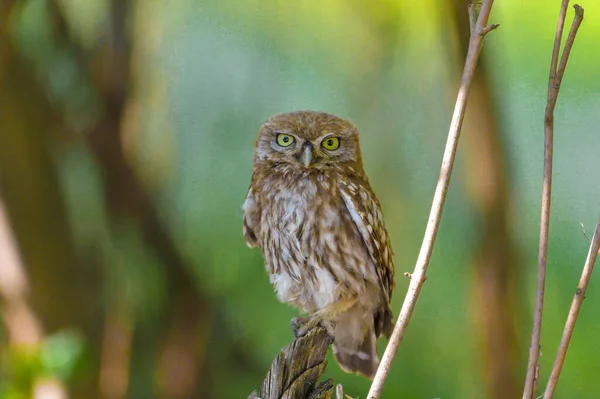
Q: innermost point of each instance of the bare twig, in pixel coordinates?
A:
(488, 29)
(584, 232)
(418, 276)
(556, 74)
(339, 391)
(472, 17)
(586, 274)
(536, 378)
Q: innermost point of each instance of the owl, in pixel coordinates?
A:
(319, 225)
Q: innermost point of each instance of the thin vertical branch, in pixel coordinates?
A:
(586, 274)
(419, 274)
(556, 74)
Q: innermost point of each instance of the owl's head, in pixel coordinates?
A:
(308, 140)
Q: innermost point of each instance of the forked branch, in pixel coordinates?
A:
(478, 32)
(557, 71)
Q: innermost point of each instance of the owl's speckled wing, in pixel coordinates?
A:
(251, 219)
(365, 211)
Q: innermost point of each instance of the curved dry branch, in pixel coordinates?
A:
(418, 276)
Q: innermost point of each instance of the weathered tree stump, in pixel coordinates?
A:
(295, 372)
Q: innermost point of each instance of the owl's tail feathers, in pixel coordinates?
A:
(361, 359)
(354, 341)
(384, 322)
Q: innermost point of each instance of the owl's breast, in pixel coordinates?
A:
(289, 226)
(310, 246)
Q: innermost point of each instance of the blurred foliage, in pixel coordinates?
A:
(204, 75)
(58, 356)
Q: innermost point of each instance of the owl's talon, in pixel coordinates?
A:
(329, 327)
(302, 325)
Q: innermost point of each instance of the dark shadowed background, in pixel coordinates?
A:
(126, 141)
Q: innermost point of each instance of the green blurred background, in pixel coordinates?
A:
(126, 142)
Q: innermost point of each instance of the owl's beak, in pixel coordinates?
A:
(307, 155)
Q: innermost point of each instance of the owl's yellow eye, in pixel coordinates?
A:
(331, 143)
(284, 140)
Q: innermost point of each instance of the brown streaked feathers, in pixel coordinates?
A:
(319, 225)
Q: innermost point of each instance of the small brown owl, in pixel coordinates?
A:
(311, 211)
